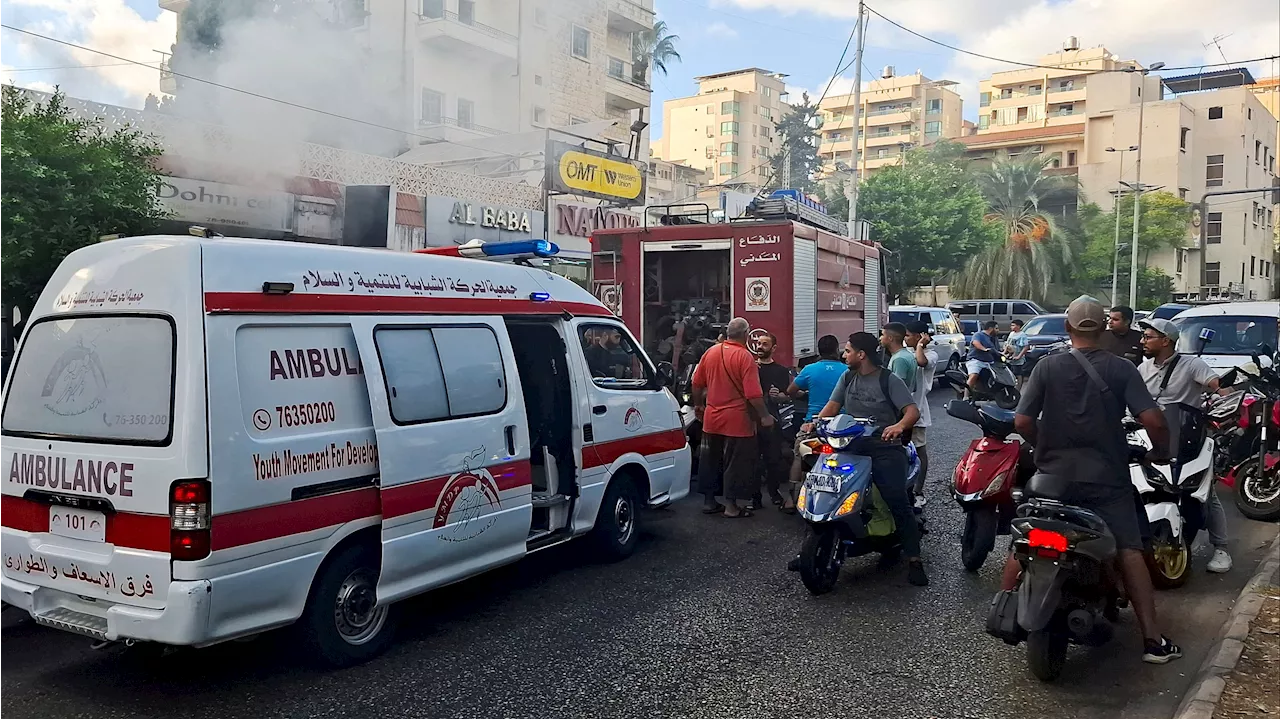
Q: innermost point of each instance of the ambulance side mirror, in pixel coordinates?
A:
(666, 375)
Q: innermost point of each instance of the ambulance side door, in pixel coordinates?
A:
(453, 448)
(628, 413)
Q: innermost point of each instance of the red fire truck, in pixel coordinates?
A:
(786, 267)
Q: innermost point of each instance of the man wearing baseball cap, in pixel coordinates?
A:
(1174, 378)
(1071, 411)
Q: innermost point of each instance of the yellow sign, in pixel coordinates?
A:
(591, 174)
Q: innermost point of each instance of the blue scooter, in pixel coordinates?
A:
(842, 506)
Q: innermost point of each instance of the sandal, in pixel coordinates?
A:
(718, 509)
(742, 513)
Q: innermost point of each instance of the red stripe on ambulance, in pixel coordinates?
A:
(605, 453)
(425, 494)
(149, 532)
(317, 303)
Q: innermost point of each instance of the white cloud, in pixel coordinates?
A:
(109, 26)
(722, 30)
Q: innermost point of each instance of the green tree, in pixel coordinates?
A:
(657, 47)
(800, 142)
(1164, 223)
(1031, 253)
(66, 182)
(928, 213)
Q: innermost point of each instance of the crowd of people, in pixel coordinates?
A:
(1071, 411)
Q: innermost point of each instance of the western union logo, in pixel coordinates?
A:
(600, 176)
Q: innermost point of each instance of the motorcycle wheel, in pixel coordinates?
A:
(1007, 398)
(1258, 498)
(820, 560)
(1047, 652)
(1169, 562)
(980, 524)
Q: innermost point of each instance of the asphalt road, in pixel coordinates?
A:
(704, 621)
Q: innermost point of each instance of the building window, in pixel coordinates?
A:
(984, 122)
(766, 113)
(467, 11)
(1213, 171)
(728, 149)
(1257, 152)
(932, 129)
(934, 106)
(1179, 255)
(882, 152)
(1071, 158)
(581, 42)
(1253, 265)
(1067, 109)
(729, 107)
(766, 91)
(432, 106)
(576, 120)
(1182, 193)
(1250, 111)
(433, 9)
(1066, 85)
(1006, 93)
(615, 68)
(728, 168)
(537, 79)
(729, 127)
(984, 99)
(1213, 231)
(1256, 213)
(539, 115)
(1034, 90)
(1182, 141)
(1211, 273)
(1215, 113)
(466, 113)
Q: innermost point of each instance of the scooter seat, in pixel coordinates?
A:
(1048, 486)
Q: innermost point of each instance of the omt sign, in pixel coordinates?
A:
(578, 171)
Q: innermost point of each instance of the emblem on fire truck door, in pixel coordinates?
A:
(757, 294)
(468, 503)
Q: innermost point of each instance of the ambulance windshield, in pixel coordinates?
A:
(100, 378)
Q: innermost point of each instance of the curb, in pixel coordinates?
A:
(1201, 699)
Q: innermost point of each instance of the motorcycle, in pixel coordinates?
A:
(983, 481)
(1065, 593)
(995, 383)
(841, 505)
(1250, 451)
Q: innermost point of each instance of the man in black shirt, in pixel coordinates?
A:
(1078, 434)
(774, 380)
(1121, 338)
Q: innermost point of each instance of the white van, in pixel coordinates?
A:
(209, 438)
(1241, 331)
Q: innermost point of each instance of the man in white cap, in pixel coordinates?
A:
(1072, 412)
(1174, 378)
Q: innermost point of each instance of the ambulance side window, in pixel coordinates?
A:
(441, 372)
(613, 360)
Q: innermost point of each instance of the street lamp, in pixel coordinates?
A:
(1115, 258)
(1137, 180)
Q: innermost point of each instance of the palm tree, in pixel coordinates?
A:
(656, 47)
(1034, 249)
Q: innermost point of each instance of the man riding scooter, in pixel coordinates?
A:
(1072, 412)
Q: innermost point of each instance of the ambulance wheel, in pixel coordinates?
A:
(617, 523)
(343, 624)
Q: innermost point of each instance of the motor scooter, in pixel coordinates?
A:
(1251, 452)
(996, 383)
(842, 506)
(984, 478)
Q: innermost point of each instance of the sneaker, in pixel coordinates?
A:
(921, 500)
(916, 575)
(1220, 563)
(1161, 652)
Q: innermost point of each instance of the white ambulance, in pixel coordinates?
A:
(206, 438)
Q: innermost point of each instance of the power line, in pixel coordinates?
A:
(74, 67)
(260, 96)
(961, 50)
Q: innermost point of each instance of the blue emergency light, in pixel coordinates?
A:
(540, 296)
(478, 249)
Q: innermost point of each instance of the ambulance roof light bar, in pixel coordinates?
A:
(503, 251)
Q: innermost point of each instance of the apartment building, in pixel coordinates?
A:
(476, 69)
(1041, 110)
(1268, 91)
(1192, 142)
(729, 128)
(897, 113)
(672, 182)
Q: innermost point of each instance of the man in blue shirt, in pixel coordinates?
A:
(982, 352)
(818, 380)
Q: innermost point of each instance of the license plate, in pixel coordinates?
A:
(78, 523)
(823, 482)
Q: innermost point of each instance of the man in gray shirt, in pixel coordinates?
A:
(861, 392)
(1075, 423)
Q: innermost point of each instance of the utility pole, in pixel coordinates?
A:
(851, 188)
(1115, 253)
(1137, 180)
(786, 167)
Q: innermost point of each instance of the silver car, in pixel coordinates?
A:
(948, 340)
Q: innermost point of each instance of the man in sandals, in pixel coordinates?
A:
(727, 393)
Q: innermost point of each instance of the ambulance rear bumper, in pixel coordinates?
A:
(183, 621)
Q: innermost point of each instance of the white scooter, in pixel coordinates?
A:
(1175, 495)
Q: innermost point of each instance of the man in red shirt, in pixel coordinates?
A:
(726, 387)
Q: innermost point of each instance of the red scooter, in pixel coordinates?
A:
(985, 477)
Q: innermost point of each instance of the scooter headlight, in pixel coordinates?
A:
(839, 442)
(995, 485)
(847, 506)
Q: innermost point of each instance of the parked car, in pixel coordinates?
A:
(1241, 331)
(1168, 310)
(1043, 333)
(948, 341)
(1002, 311)
(1140, 315)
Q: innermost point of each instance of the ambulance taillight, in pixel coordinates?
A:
(189, 520)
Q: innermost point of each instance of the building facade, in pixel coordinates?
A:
(897, 113)
(1192, 143)
(728, 129)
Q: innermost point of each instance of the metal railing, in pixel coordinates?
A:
(453, 122)
(1064, 89)
(633, 77)
(492, 32)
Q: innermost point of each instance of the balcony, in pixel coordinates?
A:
(631, 15)
(174, 5)
(893, 138)
(463, 35)
(1065, 94)
(843, 145)
(168, 81)
(451, 130)
(875, 163)
(625, 88)
(890, 117)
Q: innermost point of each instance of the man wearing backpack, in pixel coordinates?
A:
(867, 390)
